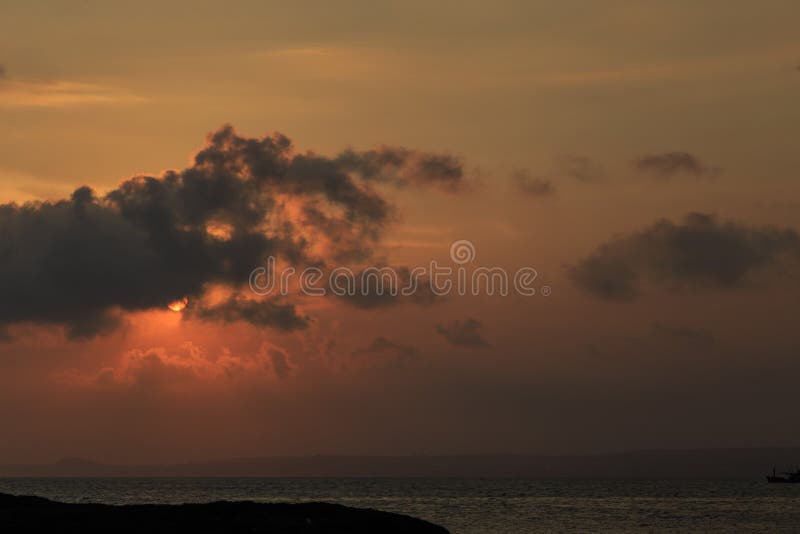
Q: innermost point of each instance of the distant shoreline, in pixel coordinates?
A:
(699, 463)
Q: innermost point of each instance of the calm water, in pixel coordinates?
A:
(478, 505)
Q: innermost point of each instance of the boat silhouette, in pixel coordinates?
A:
(785, 478)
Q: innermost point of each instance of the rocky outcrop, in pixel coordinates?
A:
(35, 514)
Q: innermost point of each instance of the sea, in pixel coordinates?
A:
(477, 505)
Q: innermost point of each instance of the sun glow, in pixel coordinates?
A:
(178, 305)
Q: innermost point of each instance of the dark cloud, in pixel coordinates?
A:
(381, 286)
(402, 167)
(537, 187)
(667, 164)
(79, 262)
(693, 336)
(581, 168)
(467, 333)
(279, 362)
(3, 71)
(262, 312)
(698, 253)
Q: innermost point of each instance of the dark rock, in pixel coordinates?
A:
(35, 514)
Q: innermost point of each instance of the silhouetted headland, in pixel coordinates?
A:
(35, 514)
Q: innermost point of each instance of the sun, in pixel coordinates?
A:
(178, 305)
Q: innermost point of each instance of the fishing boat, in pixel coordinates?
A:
(785, 478)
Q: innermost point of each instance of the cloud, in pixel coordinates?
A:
(697, 253)
(381, 286)
(279, 362)
(578, 168)
(266, 312)
(581, 168)
(668, 164)
(82, 261)
(403, 167)
(467, 333)
(649, 72)
(32, 93)
(157, 368)
(3, 71)
(528, 185)
(148, 368)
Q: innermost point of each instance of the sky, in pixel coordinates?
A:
(641, 157)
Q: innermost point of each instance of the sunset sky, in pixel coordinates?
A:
(641, 156)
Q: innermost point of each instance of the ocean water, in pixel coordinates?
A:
(477, 505)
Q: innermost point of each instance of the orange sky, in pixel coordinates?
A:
(574, 128)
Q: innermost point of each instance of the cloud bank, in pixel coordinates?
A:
(82, 261)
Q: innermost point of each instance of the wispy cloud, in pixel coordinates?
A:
(667, 70)
(667, 164)
(160, 369)
(532, 186)
(467, 333)
(30, 93)
(19, 186)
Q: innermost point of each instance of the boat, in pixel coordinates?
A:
(785, 478)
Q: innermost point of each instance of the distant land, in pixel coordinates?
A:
(35, 514)
(699, 463)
